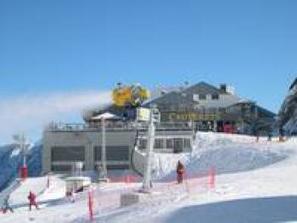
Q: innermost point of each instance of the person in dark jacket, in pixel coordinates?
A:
(281, 135)
(6, 205)
(257, 134)
(180, 171)
(269, 137)
(32, 200)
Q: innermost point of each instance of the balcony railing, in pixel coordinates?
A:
(114, 126)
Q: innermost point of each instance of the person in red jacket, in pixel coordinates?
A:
(32, 200)
(180, 171)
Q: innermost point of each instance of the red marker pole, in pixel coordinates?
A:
(48, 181)
(211, 178)
(127, 179)
(24, 172)
(90, 205)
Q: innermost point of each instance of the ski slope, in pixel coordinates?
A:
(255, 183)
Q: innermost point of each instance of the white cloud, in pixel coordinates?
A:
(30, 113)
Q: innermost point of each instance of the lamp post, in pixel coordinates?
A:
(102, 168)
(103, 149)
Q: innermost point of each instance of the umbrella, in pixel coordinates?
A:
(106, 116)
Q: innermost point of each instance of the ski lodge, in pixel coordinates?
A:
(183, 112)
(214, 109)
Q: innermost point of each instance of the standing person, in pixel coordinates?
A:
(269, 137)
(281, 135)
(6, 205)
(32, 200)
(209, 127)
(72, 195)
(180, 171)
(257, 136)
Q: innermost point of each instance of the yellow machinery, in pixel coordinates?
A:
(133, 95)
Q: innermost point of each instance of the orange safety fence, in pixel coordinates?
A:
(107, 199)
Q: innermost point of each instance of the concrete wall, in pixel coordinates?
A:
(87, 139)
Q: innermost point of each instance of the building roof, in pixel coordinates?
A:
(185, 95)
(265, 112)
(182, 99)
(204, 88)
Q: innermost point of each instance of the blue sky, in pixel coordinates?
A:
(69, 45)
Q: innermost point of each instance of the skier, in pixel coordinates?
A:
(32, 200)
(269, 137)
(257, 136)
(281, 135)
(209, 127)
(6, 205)
(180, 171)
(71, 196)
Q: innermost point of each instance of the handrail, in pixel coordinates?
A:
(73, 127)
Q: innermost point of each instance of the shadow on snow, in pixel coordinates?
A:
(254, 210)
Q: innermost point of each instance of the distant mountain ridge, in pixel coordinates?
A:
(11, 160)
(288, 112)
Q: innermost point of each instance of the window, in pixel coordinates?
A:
(158, 144)
(70, 153)
(202, 96)
(187, 143)
(142, 143)
(117, 153)
(169, 143)
(117, 166)
(215, 97)
(178, 145)
(61, 168)
(113, 153)
(195, 97)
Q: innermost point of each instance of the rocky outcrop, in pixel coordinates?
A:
(288, 113)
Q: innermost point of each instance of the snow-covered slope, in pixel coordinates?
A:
(226, 153)
(257, 183)
(260, 185)
(11, 160)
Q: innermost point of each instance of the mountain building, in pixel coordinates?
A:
(183, 111)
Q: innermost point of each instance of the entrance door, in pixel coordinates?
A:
(220, 126)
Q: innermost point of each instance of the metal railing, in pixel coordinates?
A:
(114, 126)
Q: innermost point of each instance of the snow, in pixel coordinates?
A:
(255, 183)
(228, 154)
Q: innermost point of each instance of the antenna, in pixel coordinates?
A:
(23, 145)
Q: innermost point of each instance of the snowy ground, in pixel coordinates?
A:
(256, 183)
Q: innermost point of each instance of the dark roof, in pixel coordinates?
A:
(265, 111)
(203, 88)
(260, 109)
(186, 94)
(169, 98)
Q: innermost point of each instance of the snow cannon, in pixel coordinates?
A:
(129, 96)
